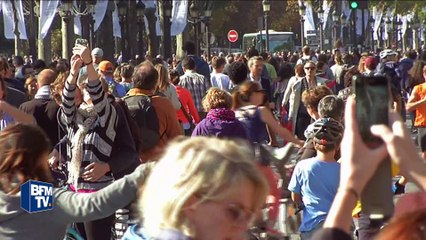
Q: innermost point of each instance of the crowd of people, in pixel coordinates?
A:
(117, 132)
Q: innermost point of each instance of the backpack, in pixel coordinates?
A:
(143, 113)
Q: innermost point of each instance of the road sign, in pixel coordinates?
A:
(232, 36)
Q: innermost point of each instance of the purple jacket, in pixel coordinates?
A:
(220, 123)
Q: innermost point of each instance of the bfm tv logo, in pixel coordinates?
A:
(36, 196)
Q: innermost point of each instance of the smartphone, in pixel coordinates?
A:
(81, 41)
(372, 96)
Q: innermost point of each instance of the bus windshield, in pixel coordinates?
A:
(278, 41)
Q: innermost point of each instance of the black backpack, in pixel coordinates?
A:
(144, 114)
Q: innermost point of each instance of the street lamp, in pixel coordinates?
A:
(194, 13)
(140, 13)
(343, 22)
(321, 22)
(65, 13)
(335, 17)
(389, 31)
(167, 42)
(207, 16)
(266, 8)
(302, 13)
(371, 22)
(122, 12)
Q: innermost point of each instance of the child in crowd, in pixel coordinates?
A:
(314, 181)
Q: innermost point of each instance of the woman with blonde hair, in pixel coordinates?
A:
(164, 87)
(220, 120)
(213, 190)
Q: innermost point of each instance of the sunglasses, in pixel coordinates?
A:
(309, 68)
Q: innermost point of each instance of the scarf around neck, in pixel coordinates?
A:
(223, 114)
(86, 117)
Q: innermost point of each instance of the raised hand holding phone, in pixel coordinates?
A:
(372, 108)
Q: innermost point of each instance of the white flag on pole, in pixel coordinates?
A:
(309, 21)
(48, 10)
(179, 17)
(326, 6)
(116, 28)
(9, 23)
(99, 15)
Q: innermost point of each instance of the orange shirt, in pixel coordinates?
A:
(420, 91)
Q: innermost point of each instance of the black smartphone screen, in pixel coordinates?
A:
(372, 107)
(372, 104)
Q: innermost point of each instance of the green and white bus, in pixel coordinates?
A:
(278, 41)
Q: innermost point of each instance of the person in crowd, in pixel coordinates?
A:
(8, 113)
(329, 106)
(24, 151)
(337, 70)
(213, 190)
(256, 65)
(18, 63)
(297, 111)
(416, 72)
(272, 72)
(370, 66)
(165, 87)
(359, 163)
(106, 70)
(238, 73)
(126, 72)
(39, 65)
(306, 51)
(16, 92)
(405, 64)
(218, 79)
(190, 117)
(89, 120)
(248, 109)
(285, 73)
(145, 80)
(43, 108)
(31, 86)
(201, 66)
(229, 59)
(220, 120)
(196, 83)
(315, 180)
(416, 102)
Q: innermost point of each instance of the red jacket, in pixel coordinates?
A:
(188, 104)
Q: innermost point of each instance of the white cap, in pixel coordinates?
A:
(97, 52)
(387, 52)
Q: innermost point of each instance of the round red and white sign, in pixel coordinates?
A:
(232, 36)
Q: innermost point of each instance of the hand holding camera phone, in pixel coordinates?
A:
(372, 107)
(81, 41)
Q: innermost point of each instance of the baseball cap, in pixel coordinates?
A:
(97, 52)
(106, 66)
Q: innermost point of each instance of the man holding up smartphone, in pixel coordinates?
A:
(416, 103)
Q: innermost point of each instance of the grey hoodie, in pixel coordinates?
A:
(68, 207)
